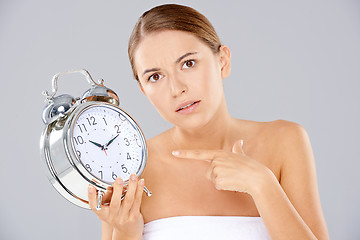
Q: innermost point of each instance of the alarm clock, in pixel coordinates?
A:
(89, 140)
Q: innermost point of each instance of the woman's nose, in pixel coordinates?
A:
(177, 86)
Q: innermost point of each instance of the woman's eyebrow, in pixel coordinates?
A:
(184, 56)
(177, 61)
(150, 70)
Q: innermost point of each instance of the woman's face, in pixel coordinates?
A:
(181, 76)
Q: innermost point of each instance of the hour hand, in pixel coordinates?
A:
(111, 141)
(97, 144)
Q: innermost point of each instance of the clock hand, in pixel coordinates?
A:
(111, 141)
(97, 144)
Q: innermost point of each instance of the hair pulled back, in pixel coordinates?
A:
(172, 17)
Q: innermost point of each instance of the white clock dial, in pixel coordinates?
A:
(108, 143)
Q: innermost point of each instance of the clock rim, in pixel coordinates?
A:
(71, 150)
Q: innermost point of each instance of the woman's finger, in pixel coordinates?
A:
(135, 209)
(92, 195)
(130, 194)
(210, 172)
(203, 155)
(116, 195)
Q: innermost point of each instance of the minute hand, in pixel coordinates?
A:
(111, 141)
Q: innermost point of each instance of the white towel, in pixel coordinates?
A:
(206, 227)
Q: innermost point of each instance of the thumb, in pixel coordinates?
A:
(238, 147)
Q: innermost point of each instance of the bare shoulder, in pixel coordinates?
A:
(287, 129)
(291, 141)
(283, 133)
(272, 134)
(272, 142)
(281, 128)
(276, 127)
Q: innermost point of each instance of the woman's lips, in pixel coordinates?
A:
(187, 107)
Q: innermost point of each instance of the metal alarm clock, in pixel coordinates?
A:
(89, 140)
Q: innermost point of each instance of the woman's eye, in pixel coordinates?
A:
(155, 77)
(189, 64)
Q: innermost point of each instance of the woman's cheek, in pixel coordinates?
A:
(162, 106)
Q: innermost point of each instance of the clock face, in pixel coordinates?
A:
(108, 143)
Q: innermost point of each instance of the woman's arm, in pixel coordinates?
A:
(106, 231)
(292, 207)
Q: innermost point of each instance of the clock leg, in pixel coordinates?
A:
(147, 191)
(100, 196)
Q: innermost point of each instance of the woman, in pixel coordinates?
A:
(212, 176)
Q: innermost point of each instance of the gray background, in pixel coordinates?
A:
(293, 60)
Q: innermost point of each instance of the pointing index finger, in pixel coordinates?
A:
(205, 155)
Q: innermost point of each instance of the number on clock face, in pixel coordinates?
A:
(107, 143)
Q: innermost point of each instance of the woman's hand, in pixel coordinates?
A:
(124, 216)
(232, 171)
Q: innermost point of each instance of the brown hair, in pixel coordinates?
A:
(172, 17)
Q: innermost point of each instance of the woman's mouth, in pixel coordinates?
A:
(188, 107)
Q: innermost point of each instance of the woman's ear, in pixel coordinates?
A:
(225, 61)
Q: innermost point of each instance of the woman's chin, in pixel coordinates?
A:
(191, 124)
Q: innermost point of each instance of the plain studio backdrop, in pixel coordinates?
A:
(292, 60)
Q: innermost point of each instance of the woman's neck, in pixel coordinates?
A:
(216, 134)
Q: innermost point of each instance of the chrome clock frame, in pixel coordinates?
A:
(63, 167)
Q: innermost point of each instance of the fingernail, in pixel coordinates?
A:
(133, 177)
(91, 189)
(119, 181)
(175, 153)
(142, 182)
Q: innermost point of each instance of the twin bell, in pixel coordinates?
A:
(60, 106)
